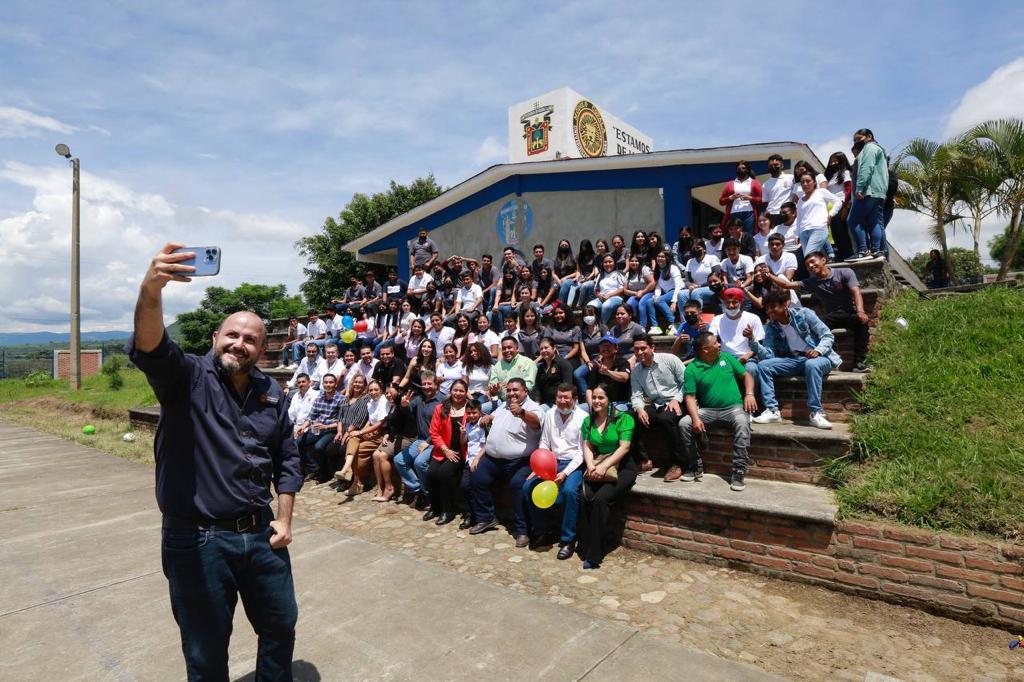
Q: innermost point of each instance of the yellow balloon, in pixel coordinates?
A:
(545, 494)
(348, 336)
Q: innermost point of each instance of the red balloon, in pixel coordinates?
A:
(544, 464)
(361, 326)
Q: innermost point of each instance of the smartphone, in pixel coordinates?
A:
(206, 261)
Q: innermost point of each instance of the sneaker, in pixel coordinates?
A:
(861, 368)
(768, 417)
(657, 331)
(878, 254)
(294, 365)
(737, 483)
(852, 259)
(281, 365)
(818, 420)
(690, 476)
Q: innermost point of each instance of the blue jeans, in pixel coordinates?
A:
(661, 304)
(207, 569)
(607, 307)
(567, 290)
(814, 371)
(568, 494)
(637, 305)
(498, 316)
(586, 292)
(412, 465)
(580, 376)
(748, 220)
(706, 297)
(313, 452)
(814, 240)
(492, 471)
(865, 219)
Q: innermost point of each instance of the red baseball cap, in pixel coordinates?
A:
(732, 294)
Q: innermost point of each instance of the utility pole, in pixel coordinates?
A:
(76, 303)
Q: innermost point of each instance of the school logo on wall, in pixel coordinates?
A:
(537, 128)
(588, 129)
(512, 227)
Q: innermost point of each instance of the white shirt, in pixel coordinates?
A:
(441, 338)
(369, 333)
(761, 242)
(669, 279)
(564, 438)
(337, 368)
(447, 374)
(361, 368)
(812, 213)
(477, 379)
(300, 406)
(488, 339)
(315, 329)
(787, 261)
(790, 233)
(610, 281)
(468, 297)
(776, 192)
(798, 190)
(796, 342)
(420, 282)
(314, 370)
(699, 270)
(714, 248)
(738, 271)
(730, 332)
(377, 410)
(335, 327)
(300, 331)
(741, 187)
(838, 184)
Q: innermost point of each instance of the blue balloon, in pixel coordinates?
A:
(347, 322)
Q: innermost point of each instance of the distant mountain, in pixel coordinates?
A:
(21, 338)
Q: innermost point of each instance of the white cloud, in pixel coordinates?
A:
(1001, 95)
(842, 143)
(120, 230)
(910, 234)
(15, 122)
(491, 151)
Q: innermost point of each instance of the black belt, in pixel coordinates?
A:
(249, 523)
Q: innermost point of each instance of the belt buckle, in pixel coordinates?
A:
(245, 523)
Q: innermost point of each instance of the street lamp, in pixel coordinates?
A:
(76, 305)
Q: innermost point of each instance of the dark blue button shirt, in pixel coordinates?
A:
(216, 452)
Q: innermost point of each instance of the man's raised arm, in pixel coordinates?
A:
(149, 314)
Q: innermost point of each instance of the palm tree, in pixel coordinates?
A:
(975, 186)
(927, 173)
(1003, 145)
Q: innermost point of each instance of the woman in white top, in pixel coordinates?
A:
(698, 269)
(764, 228)
(412, 338)
(668, 279)
(813, 211)
(449, 370)
(639, 287)
(363, 441)
(476, 369)
(368, 335)
(608, 288)
(840, 183)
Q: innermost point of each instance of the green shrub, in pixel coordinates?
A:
(112, 370)
(39, 378)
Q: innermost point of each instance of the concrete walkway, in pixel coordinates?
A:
(82, 596)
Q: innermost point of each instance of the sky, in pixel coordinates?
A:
(245, 124)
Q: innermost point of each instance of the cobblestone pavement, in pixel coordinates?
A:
(798, 631)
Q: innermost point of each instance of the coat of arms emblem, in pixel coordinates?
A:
(536, 128)
(588, 129)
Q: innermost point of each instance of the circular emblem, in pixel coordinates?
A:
(588, 129)
(721, 363)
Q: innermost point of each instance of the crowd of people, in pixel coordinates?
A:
(440, 388)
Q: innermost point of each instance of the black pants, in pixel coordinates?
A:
(443, 479)
(596, 504)
(666, 423)
(841, 236)
(837, 319)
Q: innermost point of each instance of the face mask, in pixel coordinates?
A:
(565, 411)
(716, 287)
(692, 319)
(733, 314)
(589, 320)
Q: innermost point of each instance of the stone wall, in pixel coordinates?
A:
(967, 578)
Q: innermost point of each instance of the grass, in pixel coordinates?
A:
(941, 442)
(52, 407)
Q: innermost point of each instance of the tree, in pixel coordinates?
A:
(927, 172)
(330, 266)
(963, 262)
(197, 327)
(975, 186)
(997, 250)
(1002, 142)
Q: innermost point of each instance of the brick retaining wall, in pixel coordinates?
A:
(965, 578)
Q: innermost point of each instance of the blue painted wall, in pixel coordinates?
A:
(675, 182)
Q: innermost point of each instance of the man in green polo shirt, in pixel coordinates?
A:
(713, 397)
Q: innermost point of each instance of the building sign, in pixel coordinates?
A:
(512, 224)
(564, 124)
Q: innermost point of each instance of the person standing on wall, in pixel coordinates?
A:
(870, 185)
(742, 198)
(224, 437)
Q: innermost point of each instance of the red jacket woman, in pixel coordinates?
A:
(730, 196)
